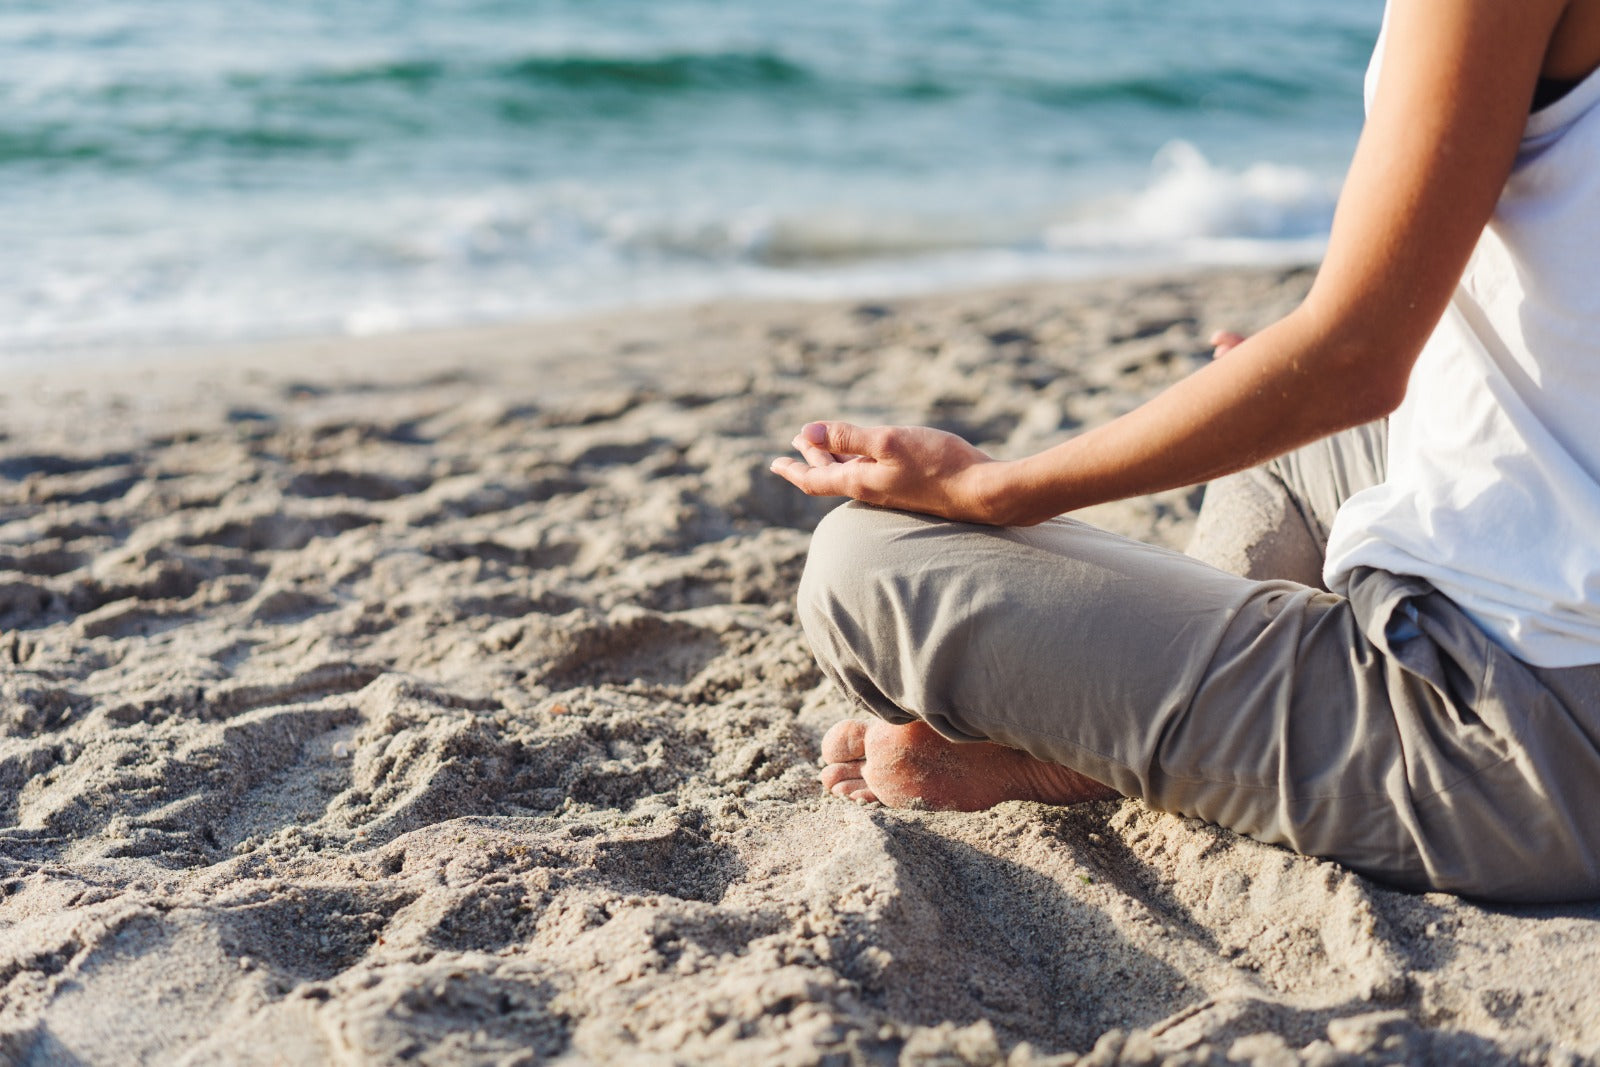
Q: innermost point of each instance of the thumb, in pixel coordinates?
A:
(841, 438)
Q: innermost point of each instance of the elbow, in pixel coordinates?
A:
(1370, 365)
(1356, 400)
(1379, 394)
(1369, 374)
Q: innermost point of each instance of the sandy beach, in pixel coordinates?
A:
(439, 699)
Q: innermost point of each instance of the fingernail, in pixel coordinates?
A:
(798, 442)
(815, 432)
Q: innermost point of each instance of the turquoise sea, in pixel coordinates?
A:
(178, 171)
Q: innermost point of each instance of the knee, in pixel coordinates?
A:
(835, 564)
(846, 604)
(852, 581)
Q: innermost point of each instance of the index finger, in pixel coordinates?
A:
(815, 454)
(843, 438)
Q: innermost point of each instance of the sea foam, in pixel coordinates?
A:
(298, 167)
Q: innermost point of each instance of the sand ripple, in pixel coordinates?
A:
(440, 700)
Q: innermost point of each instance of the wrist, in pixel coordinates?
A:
(998, 495)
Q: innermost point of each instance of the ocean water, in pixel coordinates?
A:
(177, 171)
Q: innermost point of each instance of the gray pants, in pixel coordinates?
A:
(1383, 729)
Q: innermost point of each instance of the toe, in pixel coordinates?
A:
(845, 742)
(859, 792)
(836, 774)
(844, 780)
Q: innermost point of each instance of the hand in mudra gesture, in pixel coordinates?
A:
(911, 468)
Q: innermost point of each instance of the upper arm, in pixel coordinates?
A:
(1441, 136)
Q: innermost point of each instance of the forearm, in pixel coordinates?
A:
(1447, 119)
(1291, 384)
(1446, 123)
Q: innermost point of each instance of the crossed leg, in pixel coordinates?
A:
(1060, 663)
(1270, 522)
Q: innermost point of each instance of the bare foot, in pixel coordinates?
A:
(912, 766)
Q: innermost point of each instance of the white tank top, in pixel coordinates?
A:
(1493, 486)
